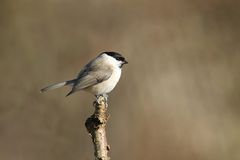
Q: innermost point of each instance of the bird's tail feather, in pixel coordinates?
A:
(58, 85)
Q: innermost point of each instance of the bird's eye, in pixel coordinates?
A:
(119, 58)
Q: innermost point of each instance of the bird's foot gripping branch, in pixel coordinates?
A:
(96, 127)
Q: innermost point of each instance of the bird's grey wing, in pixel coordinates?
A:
(92, 75)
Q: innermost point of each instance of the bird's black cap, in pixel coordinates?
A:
(117, 56)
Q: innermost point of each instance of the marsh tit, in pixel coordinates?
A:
(98, 77)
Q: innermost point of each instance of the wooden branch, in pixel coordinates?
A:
(96, 127)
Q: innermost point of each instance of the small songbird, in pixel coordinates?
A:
(98, 77)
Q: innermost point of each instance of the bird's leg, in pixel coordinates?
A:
(105, 96)
(95, 102)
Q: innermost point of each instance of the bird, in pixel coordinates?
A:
(99, 76)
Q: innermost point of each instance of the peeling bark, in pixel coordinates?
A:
(96, 127)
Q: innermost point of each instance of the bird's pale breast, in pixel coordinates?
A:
(108, 85)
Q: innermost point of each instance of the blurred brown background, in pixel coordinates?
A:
(178, 98)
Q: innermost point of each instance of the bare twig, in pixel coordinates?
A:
(96, 126)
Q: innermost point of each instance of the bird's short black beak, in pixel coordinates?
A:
(125, 62)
